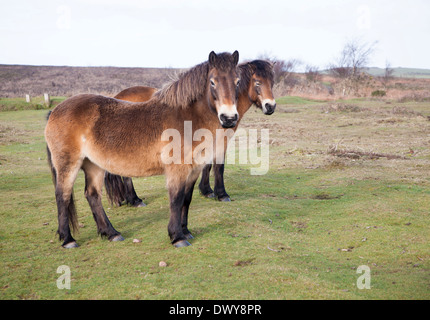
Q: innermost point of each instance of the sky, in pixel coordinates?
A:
(180, 34)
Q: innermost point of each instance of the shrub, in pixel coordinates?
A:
(379, 93)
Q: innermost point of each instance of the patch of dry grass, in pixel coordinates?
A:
(362, 138)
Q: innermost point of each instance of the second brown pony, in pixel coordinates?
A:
(257, 80)
(97, 134)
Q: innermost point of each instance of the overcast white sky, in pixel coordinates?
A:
(179, 33)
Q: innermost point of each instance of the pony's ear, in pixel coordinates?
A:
(212, 58)
(236, 57)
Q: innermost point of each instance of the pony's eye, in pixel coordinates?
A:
(257, 83)
(212, 83)
(237, 83)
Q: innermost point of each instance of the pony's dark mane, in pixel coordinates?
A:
(261, 67)
(191, 84)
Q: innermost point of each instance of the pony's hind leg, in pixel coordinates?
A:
(64, 177)
(120, 189)
(219, 187)
(94, 177)
(130, 193)
(66, 216)
(204, 186)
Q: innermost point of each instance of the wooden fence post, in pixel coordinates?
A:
(27, 98)
(47, 99)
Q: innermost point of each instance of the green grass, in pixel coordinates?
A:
(296, 100)
(298, 232)
(36, 103)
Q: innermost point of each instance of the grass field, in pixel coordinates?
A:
(36, 103)
(348, 185)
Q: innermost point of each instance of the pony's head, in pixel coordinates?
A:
(222, 83)
(260, 85)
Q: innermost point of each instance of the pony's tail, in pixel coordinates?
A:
(53, 171)
(71, 209)
(115, 189)
(49, 158)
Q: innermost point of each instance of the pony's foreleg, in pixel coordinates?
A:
(181, 188)
(219, 187)
(187, 201)
(130, 193)
(204, 185)
(176, 196)
(94, 176)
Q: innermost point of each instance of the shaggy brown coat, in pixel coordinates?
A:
(97, 133)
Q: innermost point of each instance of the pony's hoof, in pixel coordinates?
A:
(139, 205)
(225, 199)
(182, 243)
(70, 245)
(117, 238)
(209, 195)
(189, 236)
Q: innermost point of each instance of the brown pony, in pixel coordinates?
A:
(119, 188)
(256, 84)
(97, 134)
(136, 94)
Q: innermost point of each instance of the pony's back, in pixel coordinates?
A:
(136, 94)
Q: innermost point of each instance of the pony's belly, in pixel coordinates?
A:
(128, 165)
(145, 172)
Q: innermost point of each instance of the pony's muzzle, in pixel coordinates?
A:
(228, 121)
(269, 108)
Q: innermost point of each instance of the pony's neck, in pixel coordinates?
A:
(243, 104)
(204, 115)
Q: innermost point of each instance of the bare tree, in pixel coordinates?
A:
(283, 69)
(312, 73)
(355, 55)
(339, 71)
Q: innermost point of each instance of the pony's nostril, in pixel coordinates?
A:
(270, 108)
(228, 121)
(226, 118)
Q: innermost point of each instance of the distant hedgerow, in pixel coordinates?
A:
(379, 93)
